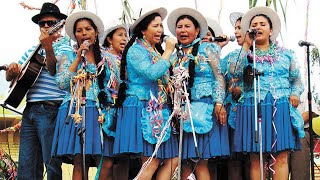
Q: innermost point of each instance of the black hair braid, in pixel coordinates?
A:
(123, 64)
(192, 66)
(159, 48)
(102, 96)
(97, 58)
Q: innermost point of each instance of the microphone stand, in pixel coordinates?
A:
(310, 114)
(257, 106)
(180, 56)
(82, 129)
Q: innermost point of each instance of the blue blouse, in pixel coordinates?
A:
(281, 78)
(144, 70)
(142, 73)
(64, 76)
(232, 67)
(208, 83)
(112, 80)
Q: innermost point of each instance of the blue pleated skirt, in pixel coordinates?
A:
(68, 142)
(211, 144)
(282, 134)
(129, 138)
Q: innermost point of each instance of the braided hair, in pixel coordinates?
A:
(194, 52)
(137, 33)
(97, 58)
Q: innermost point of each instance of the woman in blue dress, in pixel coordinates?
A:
(206, 89)
(143, 112)
(232, 67)
(114, 41)
(280, 89)
(80, 117)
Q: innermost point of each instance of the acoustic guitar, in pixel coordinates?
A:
(29, 73)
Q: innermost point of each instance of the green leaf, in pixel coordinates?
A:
(284, 12)
(254, 3)
(275, 4)
(268, 2)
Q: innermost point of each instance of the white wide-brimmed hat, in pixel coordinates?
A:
(146, 11)
(234, 17)
(276, 23)
(113, 25)
(79, 15)
(214, 25)
(175, 14)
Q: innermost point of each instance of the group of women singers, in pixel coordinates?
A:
(130, 93)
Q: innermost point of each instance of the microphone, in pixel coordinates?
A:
(165, 38)
(4, 67)
(178, 48)
(83, 52)
(221, 39)
(252, 33)
(305, 43)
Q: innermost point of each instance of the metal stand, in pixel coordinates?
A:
(180, 148)
(257, 107)
(187, 103)
(81, 131)
(310, 114)
(180, 56)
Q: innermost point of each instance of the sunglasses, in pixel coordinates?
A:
(49, 23)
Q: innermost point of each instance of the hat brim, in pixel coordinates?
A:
(214, 25)
(234, 17)
(37, 17)
(79, 15)
(162, 11)
(109, 30)
(276, 24)
(174, 15)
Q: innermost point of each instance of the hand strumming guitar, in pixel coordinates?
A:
(13, 71)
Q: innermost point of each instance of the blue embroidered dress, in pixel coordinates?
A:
(136, 131)
(232, 68)
(208, 88)
(282, 124)
(111, 87)
(68, 142)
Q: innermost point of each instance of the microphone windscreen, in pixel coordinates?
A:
(232, 38)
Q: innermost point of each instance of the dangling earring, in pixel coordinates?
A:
(95, 39)
(144, 37)
(111, 48)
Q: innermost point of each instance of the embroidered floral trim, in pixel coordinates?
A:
(83, 81)
(155, 105)
(270, 56)
(113, 64)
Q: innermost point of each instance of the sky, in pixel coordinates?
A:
(18, 32)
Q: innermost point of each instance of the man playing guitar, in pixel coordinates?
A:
(43, 98)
